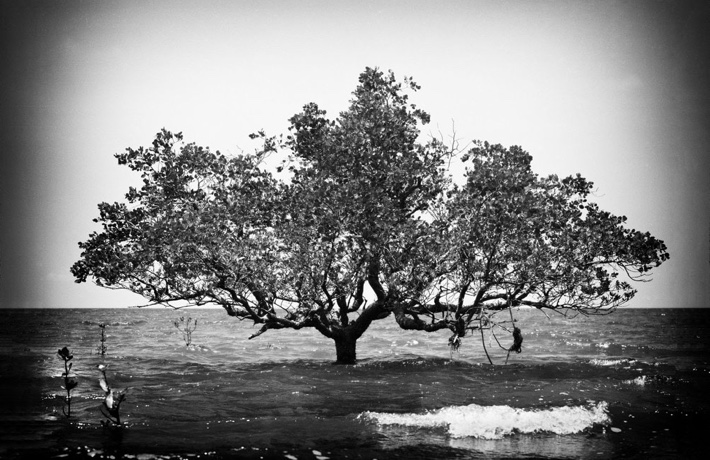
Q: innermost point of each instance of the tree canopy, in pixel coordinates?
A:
(363, 221)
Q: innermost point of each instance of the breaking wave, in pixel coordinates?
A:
(495, 422)
(613, 362)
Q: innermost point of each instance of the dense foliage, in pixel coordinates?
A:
(359, 208)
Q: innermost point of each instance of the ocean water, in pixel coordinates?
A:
(633, 384)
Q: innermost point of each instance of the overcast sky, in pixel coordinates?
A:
(617, 91)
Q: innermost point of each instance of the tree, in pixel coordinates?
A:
(361, 207)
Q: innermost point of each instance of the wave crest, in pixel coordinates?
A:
(495, 422)
(606, 362)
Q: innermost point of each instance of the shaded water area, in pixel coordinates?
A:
(633, 384)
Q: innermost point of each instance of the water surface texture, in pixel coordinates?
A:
(633, 384)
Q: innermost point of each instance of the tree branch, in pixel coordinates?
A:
(410, 321)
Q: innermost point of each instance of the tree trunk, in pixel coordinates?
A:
(346, 337)
(345, 345)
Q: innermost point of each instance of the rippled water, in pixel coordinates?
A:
(633, 384)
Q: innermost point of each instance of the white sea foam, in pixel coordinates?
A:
(640, 381)
(494, 422)
(611, 362)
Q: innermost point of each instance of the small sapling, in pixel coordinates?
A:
(101, 349)
(186, 327)
(112, 399)
(69, 382)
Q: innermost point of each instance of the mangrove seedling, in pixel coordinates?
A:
(69, 383)
(101, 349)
(186, 327)
(112, 399)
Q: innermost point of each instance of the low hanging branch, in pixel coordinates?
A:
(483, 339)
(410, 321)
(517, 333)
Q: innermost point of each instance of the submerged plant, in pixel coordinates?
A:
(186, 327)
(112, 399)
(69, 383)
(101, 349)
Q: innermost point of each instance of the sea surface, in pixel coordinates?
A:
(633, 384)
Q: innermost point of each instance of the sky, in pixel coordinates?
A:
(615, 90)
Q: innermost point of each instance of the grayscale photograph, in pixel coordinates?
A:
(324, 230)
